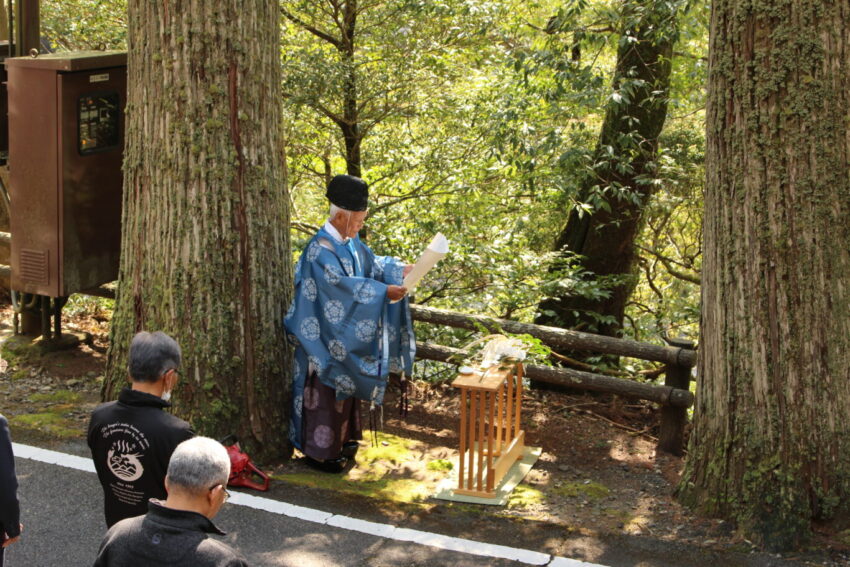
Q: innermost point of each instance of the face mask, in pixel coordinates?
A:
(166, 396)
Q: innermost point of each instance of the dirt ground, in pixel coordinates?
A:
(599, 478)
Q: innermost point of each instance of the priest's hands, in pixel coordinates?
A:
(396, 292)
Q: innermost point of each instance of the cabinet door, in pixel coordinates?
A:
(33, 180)
(91, 134)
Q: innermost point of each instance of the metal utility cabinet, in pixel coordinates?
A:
(66, 140)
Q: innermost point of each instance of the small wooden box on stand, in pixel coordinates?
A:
(490, 436)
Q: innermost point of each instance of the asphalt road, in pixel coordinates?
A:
(61, 510)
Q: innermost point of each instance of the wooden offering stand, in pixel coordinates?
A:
(490, 436)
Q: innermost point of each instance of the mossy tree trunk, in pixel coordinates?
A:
(205, 249)
(601, 243)
(350, 124)
(771, 442)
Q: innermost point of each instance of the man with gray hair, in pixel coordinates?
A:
(175, 532)
(131, 439)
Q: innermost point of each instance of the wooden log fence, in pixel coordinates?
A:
(674, 396)
(559, 376)
(559, 338)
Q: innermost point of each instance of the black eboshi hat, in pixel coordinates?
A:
(348, 192)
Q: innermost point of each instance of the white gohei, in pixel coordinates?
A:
(501, 348)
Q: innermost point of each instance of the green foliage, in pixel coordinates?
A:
(665, 301)
(537, 352)
(89, 306)
(70, 25)
(479, 120)
(481, 124)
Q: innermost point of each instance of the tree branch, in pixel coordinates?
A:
(304, 227)
(338, 120)
(407, 198)
(668, 265)
(315, 31)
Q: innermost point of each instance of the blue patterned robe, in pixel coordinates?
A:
(342, 324)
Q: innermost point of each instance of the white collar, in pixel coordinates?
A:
(331, 229)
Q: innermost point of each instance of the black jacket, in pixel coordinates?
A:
(166, 537)
(10, 511)
(131, 441)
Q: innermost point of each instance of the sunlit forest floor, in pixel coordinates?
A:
(599, 478)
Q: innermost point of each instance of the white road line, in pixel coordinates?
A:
(387, 531)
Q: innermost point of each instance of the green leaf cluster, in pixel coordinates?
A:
(71, 25)
(479, 119)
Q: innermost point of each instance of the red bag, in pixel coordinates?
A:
(241, 467)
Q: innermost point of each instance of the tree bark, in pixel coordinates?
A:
(601, 243)
(771, 442)
(205, 249)
(350, 125)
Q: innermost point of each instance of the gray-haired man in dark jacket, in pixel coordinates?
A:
(176, 532)
(131, 439)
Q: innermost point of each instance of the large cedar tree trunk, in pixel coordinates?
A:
(205, 250)
(604, 240)
(771, 442)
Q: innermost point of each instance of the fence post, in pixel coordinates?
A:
(674, 419)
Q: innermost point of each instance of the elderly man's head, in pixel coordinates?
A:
(154, 358)
(347, 223)
(197, 476)
(349, 197)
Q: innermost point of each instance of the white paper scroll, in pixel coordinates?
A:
(435, 252)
